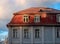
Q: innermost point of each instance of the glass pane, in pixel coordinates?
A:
(37, 19)
(26, 33)
(14, 33)
(36, 33)
(26, 18)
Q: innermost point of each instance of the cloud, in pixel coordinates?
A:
(20, 2)
(33, 3)
(1, 11)
(57, 0)
(3, 2)
(3, 8)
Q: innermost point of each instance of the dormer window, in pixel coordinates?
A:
(37, 19)
(58, 18)
(26, 18)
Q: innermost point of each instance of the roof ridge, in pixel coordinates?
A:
(37, 9)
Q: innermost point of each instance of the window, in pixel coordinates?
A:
(26, 18)
(26, 33)
(14, 33)
(58, 18)
(36, 33)
(37, 19)
(58, 32)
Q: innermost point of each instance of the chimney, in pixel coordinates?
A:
(41, 10)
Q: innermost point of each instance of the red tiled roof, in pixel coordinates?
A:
(17, 19)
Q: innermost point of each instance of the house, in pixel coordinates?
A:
(36, 25)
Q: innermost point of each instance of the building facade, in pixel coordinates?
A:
(36, 25)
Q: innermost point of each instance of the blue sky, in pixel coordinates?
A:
(8, 7)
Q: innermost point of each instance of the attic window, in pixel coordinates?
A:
(40, 10)
(36, 18)
(58, 18)
(26, 18)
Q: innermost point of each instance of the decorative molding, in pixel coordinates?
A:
(53, 35)
(42, 35)
(21, 33)
(32, 35)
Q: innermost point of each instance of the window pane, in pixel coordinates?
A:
(26, 18)
(58, 18)
(58, 32)
(14, 33)
(36, 33)
(26, 35)
(37, 19)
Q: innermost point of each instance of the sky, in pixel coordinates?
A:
(8, 7)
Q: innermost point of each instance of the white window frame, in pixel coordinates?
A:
(14, 33)
(26, 18)
(37, 18)
(26, 34)
(37, 33)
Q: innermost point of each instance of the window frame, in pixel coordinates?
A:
(26, 18)
(26, 33)
(37, 18)
(15, 33)
(58, 32)
(37, 33)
